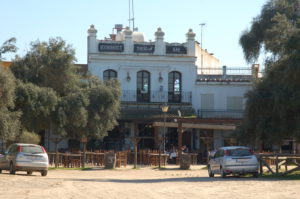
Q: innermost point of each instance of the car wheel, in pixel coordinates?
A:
(29, 172)
(255, 175)
(44, 173)
(223, 174)
(12, 169)
(210, 173)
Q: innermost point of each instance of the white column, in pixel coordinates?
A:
(92, 40)
(190, 36)
(160, 47)
(128, 43)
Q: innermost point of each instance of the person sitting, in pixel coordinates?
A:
(184, 149)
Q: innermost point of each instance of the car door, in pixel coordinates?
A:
(9, 156)
(218, 160)
(214, 161)
(2, 160)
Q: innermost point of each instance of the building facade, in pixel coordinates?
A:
(157, 72)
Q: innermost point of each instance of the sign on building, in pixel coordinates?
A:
(176, 50)
(141, 48)
(105, 47)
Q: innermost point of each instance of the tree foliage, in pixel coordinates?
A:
(278, 21)
(8, 46)
(48, 64)
(9, 120)
(273, 106)
(37, 104)
(29, 137)
(52, 95)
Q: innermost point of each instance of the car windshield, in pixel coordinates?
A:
(32, 149)
(239, 152)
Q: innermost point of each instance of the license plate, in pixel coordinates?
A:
(241, 160)
(35, 158)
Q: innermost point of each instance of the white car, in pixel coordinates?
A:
(25, 157)
(233, 160)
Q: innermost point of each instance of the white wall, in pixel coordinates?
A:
(220, 92)
(153, 64)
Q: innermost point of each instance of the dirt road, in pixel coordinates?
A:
(141, 183)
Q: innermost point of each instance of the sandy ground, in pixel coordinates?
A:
(142, 183)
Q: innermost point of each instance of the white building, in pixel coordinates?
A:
(158, 72)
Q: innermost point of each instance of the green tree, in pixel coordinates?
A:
(8, 46)
(278, 21)
(273, 106)
(9, 120)
(29, 137)
(48, 64)
(104, 106)
(52, 93)
(37, 104)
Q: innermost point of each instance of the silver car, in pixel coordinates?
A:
(25, 157)
(233, 160)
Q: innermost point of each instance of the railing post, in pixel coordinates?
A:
(224, 71)
(276, 162)
(261, 171)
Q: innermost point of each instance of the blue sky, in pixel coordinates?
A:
(29, 20)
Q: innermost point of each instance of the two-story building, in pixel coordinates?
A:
(207, 99)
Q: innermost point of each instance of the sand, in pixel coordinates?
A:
(142, 183)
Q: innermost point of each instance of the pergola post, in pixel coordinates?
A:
(179, 139)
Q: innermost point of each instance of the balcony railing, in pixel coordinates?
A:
(219, 113)
(225, 71)
(156, 96)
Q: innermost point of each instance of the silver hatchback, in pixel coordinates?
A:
(25, 157)
(233, 160)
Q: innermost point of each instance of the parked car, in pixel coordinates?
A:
(233, 160)
(24, 157)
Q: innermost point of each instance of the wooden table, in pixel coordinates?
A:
(154, 159)
(71, 160)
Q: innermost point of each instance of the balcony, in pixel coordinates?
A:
(132, 96)
(220, 114)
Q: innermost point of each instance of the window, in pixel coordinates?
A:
(174, 87)
(207, 101)
(234, 103)
(143, 86)
(109, 74)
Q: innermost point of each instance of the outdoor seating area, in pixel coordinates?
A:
(123, 158)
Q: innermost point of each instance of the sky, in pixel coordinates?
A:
(31, 20)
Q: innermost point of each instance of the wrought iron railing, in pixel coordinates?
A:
(156, 96)
(219, 113)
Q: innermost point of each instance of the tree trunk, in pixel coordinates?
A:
(84, 155)
(135, 153)
(56, 154)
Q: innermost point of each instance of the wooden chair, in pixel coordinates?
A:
(121, 159)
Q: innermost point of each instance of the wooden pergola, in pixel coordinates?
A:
(197, 123)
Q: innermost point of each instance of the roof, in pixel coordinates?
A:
(6, 64)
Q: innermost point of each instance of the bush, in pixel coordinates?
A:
(29, 137)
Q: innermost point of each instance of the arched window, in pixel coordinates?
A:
(109, 74)
(174, 87)
(143, 86)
